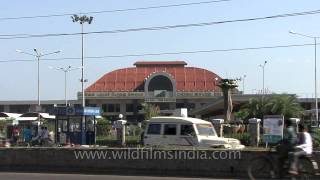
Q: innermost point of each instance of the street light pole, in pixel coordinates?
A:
(82, 20)
(38, 55)
(263, 66)
(65, 70)
(243, 79)
(315, 71)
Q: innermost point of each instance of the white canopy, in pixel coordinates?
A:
(34, 116)
(5, 115)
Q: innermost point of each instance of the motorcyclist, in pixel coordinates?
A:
(288, 143)
(303, 148)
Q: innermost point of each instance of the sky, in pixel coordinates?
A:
(288, 70)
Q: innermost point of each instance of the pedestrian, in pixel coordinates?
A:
(45, 136)
(37, 140)
(27, 135)
(15, 134)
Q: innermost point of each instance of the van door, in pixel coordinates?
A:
(188, 135)
(152, 135)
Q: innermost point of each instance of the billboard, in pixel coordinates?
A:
(273, 128)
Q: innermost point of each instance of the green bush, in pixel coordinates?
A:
(103, 127)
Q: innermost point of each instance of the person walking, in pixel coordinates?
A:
(27, 135)
(15, 134)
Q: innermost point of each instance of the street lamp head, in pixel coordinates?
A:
(18, 50)
(292, 32)
(35, 50)
(75, 18)
(90, 19)
(82, 19)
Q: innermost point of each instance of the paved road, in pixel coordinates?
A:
(39, 176)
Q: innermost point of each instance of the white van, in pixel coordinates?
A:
(185, 131)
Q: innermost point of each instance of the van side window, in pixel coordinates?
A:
(187, 129)
(154, 129)
(170, 129)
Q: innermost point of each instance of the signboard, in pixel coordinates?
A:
(112, 95)
(195, 94)
(273, 128)
(141, 95)
(76, 111)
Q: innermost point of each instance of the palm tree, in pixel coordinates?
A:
(256, 107)
(226, 86)
(284, 104)
(150, 110)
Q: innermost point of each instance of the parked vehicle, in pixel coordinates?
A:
(185, 131)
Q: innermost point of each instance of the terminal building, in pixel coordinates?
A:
(167, 84)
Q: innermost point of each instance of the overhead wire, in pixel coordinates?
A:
(163, 53)
(115, 10)
(157, 28)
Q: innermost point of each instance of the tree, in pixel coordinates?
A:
(284, 104)
(227, 85)
(103, 127)
(150, 110)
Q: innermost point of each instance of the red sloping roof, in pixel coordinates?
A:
(133, 78)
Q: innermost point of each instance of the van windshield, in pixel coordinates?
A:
(206, 130)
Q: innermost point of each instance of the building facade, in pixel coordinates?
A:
(167, 84)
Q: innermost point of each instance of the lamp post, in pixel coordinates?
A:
(315, 69)
(243, 79)
(263, 66)
(216, 81)
(65, 70)
(38, 55)
(82, 20)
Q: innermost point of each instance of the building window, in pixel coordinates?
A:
(191, 106)
(180, 105)
(104, 107)
(170, 129)
(117, 107)
(111, 108)
(129, 107)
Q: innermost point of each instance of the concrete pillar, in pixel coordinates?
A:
(123, 110)
(218, 126)
(254, 131)
(295, 123)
